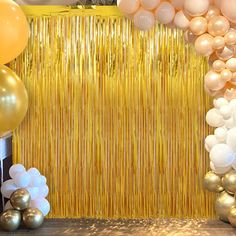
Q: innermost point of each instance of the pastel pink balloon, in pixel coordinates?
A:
(128, 6)
(150, 4)
(177, 4)
(181, 21)
(196, 7)
(165, 13)
(144, 19)
(228, 8)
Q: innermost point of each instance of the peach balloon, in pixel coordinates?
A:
(144, 19)
(213, 11)
(213, 81)
(228, 9)
(181, 21)
(218, 43)
(198, 25)
(203, 45)
(226, 53)
(231, 64)
(196, 7)
(230, 37)
(226, 75)
(189, 37)
(218, 65)
(14, 31)
(165, 13)
(218, 26)
(217, 3)
(128, 6)
(177, 4)
(150, 4)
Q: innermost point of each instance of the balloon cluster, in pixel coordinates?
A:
(14, 31)
(10, 219)
(209, 24)
(33, 182)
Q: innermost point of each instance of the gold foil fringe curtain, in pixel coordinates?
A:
(116, 117)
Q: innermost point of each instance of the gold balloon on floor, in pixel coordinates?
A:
(32, 218)
(10, 220)
(13, 100)
(232, 216)
(14, 31)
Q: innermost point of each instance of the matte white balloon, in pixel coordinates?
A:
(218, 103)
(43, 191)
(230, 123)
(210, 142)
(36, 181)
(225, 111)
(15, 169)
(214, 118)
(219, 170)
(34, 172)
(231, 139)
(22, 180)
(222, 155)
(221, 134)
(8, 187)
(43, 180)
(42, 204)
(34, 192)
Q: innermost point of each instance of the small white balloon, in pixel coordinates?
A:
(42, 204)
(8, 188)
(36, 181)
(43, 180)
(43, 191)
(34, 192)
(222, 155)
(232, 103)
(218, 103)
(214, 118)
(8, 206)
(226, 111)
(230, 123)
(221, 134)
(210, 142)
(22, 180)
(15, 169)
(231, 139)
(34, 172)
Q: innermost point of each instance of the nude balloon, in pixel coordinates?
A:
(144, 19)
(181, 21)
(165, 13)
(218, 26)
(212, 11)
(150, 4)
(177, 4)
(228, 9)
(198, 25)
(128, 6)
(196, 7)
(213, 81)
(203, 45)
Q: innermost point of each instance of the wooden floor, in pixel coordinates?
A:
(130, 227)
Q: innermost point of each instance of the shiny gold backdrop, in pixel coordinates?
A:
(116, 117)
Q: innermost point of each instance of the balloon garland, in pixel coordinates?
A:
(210, 25)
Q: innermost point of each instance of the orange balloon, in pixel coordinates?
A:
(14, 31)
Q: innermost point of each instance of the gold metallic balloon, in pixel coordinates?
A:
(13, 100)
(20, 199)
(232, 216)
(10, 220)
(229, 182)
(224, 203)
(212, 182)
(33, 218)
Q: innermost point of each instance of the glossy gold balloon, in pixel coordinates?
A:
(224, 203)
(229, 182)
(33, 218)
(13, 100)
(212, 182)
(10, 220)
(232, 216)
(20, 199)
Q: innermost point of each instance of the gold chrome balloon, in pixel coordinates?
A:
(13, 100)
(232, 216)
(212, 182)
(229, 182)
(33, 218)
(10, 220)
(223, 205)
(20, 199)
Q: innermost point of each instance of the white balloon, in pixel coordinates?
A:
(218, 170)
(34, 172)
(43, 180)
(221, 134)
(15, 169)
(226, 111)
(8, 188)
(36, 181)
(210, 142)
(22, 180)
(42, 204)
(43, 191)
(8, 206)
(214, 118)
(230, 123)
(218, 103)
(34, 192)
(231, 139)
(232, 103)
(222, 155)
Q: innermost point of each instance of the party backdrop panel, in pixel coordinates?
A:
(116, 117)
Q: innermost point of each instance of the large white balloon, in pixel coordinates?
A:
(15, 169)
(22, 180)
(219, 170)
(42, 204)
(34, 192)
(222, 155)
(214, 118)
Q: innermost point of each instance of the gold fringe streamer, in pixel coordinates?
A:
(117, 116)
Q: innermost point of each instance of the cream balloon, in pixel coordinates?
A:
(165, 13)
(198, 25)
(218, 26)
(196, 7)
(231, 64)
(218, 43)
(203, 45)
(218, 65)
(228, 9)
(150, 4)
(230, 37)
(212, 11)
(144, 20)
(128, 6)
(181, 21)
(226, 75)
